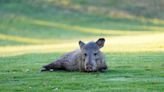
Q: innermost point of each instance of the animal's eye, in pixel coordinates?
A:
(95, 54)
(85, 54)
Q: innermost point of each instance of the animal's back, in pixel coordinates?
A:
(72, 60)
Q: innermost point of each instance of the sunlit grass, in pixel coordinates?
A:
(20, 36)
(141, 43)
(22, 39)
(128, 41)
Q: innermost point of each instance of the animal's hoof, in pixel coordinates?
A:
(51, 70)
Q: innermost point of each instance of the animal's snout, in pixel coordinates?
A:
(89, 68)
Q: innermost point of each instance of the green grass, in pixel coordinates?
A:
(34, 33)
(127, 72)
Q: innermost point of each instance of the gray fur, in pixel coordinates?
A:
(88, 58)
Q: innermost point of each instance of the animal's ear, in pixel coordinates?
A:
(100, 42)
(81, 44)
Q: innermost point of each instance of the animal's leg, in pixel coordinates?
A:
(57, 65)
(103, 67)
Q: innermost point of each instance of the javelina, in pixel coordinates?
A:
(88, 58)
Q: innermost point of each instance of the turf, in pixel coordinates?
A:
(127, 72)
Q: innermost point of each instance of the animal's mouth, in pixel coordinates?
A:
(90, 70)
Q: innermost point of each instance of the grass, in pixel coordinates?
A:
(127, 72)
(34, 33)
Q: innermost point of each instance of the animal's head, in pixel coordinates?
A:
(91, 53)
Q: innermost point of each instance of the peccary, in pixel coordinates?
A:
(88, 58)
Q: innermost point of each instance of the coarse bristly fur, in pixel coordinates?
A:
(88, 58)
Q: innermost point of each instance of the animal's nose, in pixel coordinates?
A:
(89, 68)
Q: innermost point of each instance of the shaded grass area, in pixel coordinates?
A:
(127, 72)
(19, 18)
